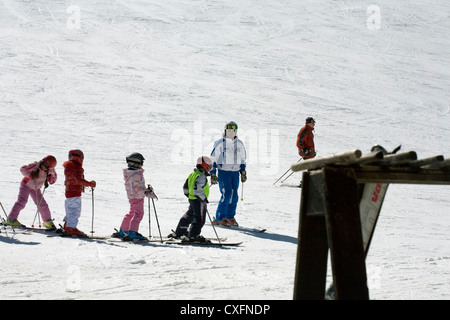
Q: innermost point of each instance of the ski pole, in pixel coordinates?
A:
(149, 187)
(4, 211)
(220, 244)
(282, 176)
(291, 172)
(287, 177)
(286, 173)
(4, 226)
(242, 192)
(38, 205)
(149, 220)
(157, 222)
(92, 222)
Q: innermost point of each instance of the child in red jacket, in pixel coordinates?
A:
(75, 184)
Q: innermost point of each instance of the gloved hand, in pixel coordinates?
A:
(309, 153)
(149, 193)
(92, 184)
(35, 174)
(243, 176)
(214, 179)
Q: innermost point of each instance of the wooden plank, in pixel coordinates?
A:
(369, 158)
(444, 165)
(318, 162)
(399, 158)
(402, 175)
(437, 160)
(344, 234)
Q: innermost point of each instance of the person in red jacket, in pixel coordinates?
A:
(305, 140)
(75, 184)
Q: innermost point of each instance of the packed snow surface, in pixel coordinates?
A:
(162, 78)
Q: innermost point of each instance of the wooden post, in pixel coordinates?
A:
(344, 233)
(312, 249)
(330, 215)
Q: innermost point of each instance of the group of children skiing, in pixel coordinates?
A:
(42, 173)
(228, 158)
(226, 166)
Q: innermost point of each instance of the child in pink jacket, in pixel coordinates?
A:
(36, 175)
(136, 191)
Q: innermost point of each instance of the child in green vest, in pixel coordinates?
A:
(196, 188)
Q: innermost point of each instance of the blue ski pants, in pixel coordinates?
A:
(229, 185)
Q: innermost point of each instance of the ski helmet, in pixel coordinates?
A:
(231, 125)
(49, 161)
(310, 120)
(205, 163)
(76, 153)
(135, 159)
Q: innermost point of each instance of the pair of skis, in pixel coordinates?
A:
(53, 233)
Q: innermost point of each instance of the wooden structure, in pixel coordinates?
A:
(341, 199)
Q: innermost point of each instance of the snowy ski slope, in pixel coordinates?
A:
(162, 78)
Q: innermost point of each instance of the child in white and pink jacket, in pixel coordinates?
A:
(35, 175)
(136, 192)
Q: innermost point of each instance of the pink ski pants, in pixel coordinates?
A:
(22, 200)
(132, 220)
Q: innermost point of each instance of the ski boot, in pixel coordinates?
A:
(73, 232)
(133, 235)
(222, 223)
(119, 234)
(174, 235)
(49, 225)
(14, 223)
(198, 238)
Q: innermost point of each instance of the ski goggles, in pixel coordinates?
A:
(231, 127)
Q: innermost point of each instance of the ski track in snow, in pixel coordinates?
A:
(162, 78)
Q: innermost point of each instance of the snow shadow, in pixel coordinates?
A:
(12, 240)
(274, 237)
(267, 235)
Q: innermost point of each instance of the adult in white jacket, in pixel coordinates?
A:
(228, 157)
